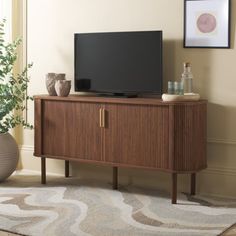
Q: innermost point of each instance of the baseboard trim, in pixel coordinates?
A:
(220, 171)
(221, 141)
(36, 172)
(28, 148)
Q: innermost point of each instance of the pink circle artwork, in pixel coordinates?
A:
(206, 23)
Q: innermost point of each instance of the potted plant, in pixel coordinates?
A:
(13, 88)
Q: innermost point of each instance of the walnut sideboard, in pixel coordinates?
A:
(122, 132)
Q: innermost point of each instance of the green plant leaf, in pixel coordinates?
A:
(12, 88)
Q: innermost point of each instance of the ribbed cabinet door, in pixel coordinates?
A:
(189, 137)
(71, 130)
(137, 135)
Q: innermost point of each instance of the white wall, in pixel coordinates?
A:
(51, 25)
(6, 13)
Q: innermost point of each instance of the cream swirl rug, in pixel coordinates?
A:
(70, 207)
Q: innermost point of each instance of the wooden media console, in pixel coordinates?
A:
(123, 132)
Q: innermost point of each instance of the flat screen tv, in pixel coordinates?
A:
(119, 62)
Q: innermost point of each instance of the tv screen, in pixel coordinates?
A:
(119, 62)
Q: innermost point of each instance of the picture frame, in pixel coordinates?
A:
(207, 23)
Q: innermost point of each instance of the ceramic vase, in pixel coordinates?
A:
(51, 79)
(9, 155)
(62, 87)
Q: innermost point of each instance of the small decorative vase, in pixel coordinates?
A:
(51, 79)
(9, 155)
(62, 87)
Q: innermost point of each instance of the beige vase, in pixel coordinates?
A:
(62, 87)
(9, 155)
(51, 79)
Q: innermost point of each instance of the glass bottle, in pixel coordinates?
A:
(187, 78)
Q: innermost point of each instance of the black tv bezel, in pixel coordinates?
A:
(119, 92)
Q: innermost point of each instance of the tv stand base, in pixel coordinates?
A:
(119, 95)
(115, 179)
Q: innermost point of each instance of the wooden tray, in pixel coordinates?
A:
(186, 97)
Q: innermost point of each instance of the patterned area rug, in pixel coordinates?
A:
(81, 207)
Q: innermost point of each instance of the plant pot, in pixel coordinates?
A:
(51, 79)
(62, 87)
(9, 155)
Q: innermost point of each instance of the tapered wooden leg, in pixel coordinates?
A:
(115, 177)
(174, 188)
(67, 169)
(43, 170)
(193, 184)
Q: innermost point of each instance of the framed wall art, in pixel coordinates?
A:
(207, 23)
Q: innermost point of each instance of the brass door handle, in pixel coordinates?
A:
(102, 117)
